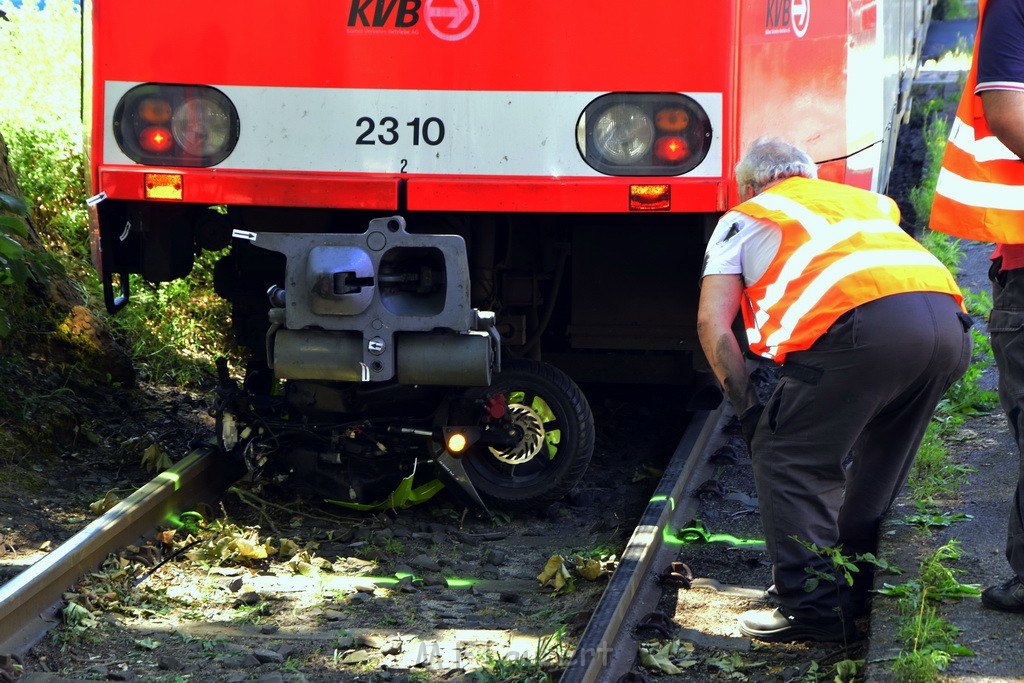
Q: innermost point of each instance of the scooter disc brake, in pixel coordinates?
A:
(532, 427)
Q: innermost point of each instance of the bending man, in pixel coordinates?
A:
(869, 330)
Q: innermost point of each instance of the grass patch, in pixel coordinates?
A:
(936, 132)
(551, 654)
(930, 641)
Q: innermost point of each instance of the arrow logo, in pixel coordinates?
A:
(458, 13)
(445, 17)
(801, 10)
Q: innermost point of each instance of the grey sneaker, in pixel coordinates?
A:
(1009, 597)
(778, 627)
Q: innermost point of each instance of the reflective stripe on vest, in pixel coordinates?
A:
(979, 194)
(841, 247)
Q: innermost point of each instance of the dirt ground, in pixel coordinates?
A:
(265, 620)
(186, 623)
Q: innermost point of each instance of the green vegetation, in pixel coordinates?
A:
(175, 330)
(13, 266)
(42, 125)
(255, 614)
(954, 9)
(172, 331)
(932, 473)
(930, 641)
(551, 654)
(841, 566)
(936, 132)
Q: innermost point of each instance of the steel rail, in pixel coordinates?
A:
(608, 648)
(29, 602)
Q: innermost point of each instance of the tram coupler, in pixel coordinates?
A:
(384, 305)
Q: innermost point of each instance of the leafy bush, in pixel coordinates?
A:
(172, 331)
(175, 330)
(51, 172)
(936, 132)
(954, 9)
(12, 254)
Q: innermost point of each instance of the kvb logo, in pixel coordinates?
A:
(385, 13)
(784, 16)
(446, 19)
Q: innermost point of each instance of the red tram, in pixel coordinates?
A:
(438, 215)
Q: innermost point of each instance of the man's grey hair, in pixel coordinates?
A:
(771, 159)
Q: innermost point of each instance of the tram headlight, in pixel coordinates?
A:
(623, 134)
(644, 134)
(201, 126)
(160, 124)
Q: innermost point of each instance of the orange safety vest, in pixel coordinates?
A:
(979, 194)
(841, 247)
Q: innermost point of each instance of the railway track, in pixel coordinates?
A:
(28, 603)
(606, 648)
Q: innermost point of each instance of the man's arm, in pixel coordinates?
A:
(1004, 111)
(720, 298)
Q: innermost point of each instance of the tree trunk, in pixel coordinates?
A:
(8, 183)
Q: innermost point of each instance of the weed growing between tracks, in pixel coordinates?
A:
(930, 640)
(551, 655)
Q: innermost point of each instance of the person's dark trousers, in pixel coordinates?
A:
(1006, 327)
(839, 434)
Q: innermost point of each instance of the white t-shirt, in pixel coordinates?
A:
(741, 245)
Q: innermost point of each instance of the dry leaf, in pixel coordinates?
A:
(155, 459)
(551, 568)
(590, 569)
(108, 501)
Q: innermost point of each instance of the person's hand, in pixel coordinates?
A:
(748, 422)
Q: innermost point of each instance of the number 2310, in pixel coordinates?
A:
(388, 131)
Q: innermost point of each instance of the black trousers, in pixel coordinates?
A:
(1006, 327)
(839, 434)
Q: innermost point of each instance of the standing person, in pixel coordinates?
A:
(869, 330)
(980, 196)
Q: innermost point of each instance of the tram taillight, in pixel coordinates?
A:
(156, 139)
(671, 149)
